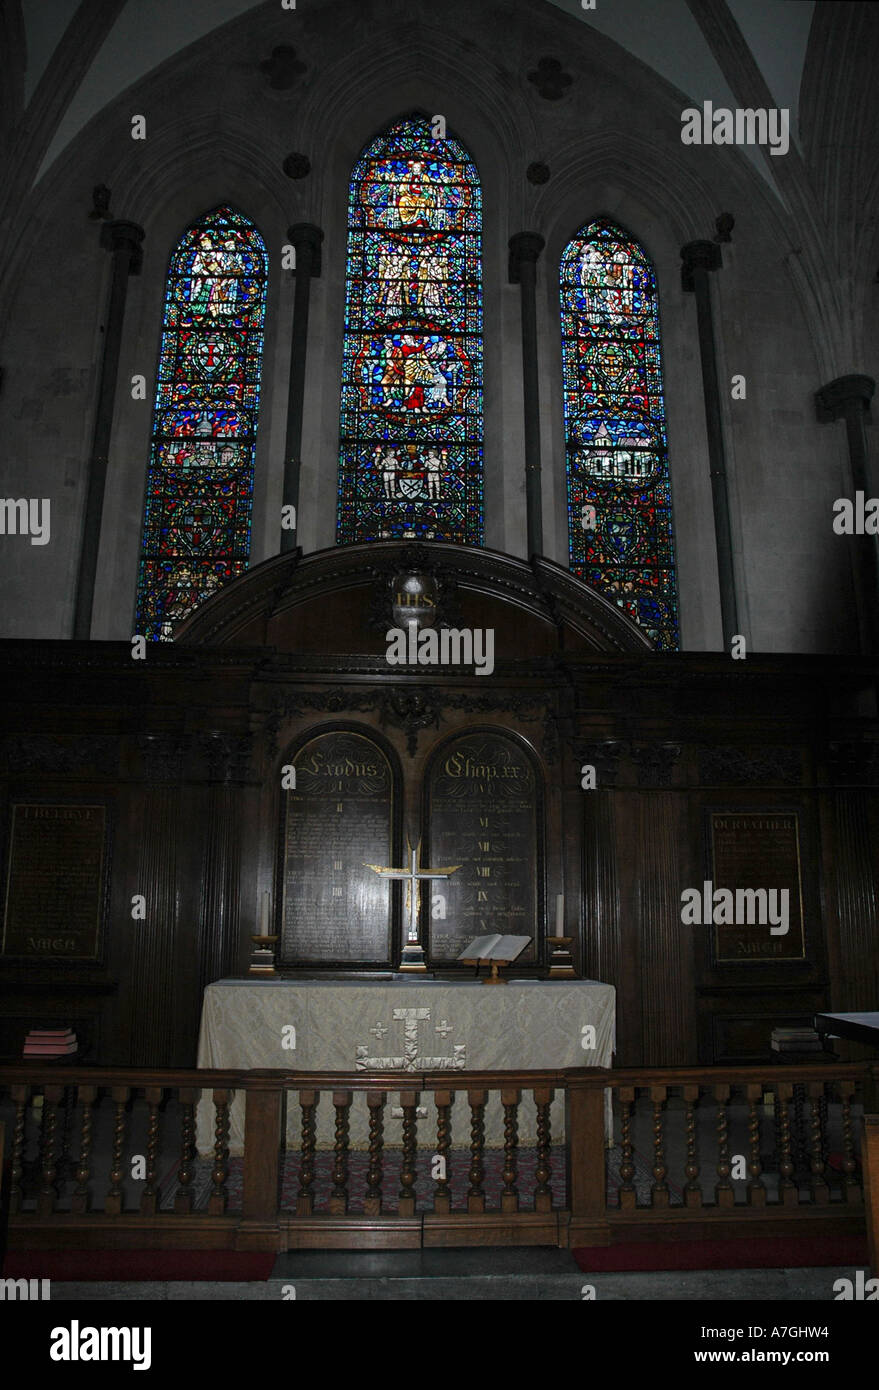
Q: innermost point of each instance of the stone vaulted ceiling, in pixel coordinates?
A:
(663, 34)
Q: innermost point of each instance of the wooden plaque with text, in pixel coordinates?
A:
(55, 889)
(339, 818)
(484, 811)
(754, 850)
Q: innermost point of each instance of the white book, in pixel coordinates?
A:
(495, 948)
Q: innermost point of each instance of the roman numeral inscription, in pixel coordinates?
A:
(483, 783)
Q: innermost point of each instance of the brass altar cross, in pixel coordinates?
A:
(413, 952)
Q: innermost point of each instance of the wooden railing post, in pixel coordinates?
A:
(149, 1197)
(817, 1183)
(476, 1191)
(113, 1201)
(756, 1185)
(543, 1096)
(187, 1097)
(372, 1202)
(693, 1189)
(870, 1166)
(80, 1201)
(48, 1193)
(219, 1196)
(628, 1194)
(20, 1097)
(787, 1188)
(510, 1097)
(264, 1114)
(659, 1193)
(585, 1179)
(308, 1101)
(338, 1203)
(442, 1193)
(851, 1190)
(724, 1192)
(408, 1170)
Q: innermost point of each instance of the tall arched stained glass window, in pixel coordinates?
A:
(615, 429)
(411, 424)
(196, 532)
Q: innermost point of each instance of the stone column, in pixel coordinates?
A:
(848, 398)
(123, 239)
(525, 247)
(699, 258)
(306, 239)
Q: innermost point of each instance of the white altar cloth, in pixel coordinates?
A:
(402, 1024)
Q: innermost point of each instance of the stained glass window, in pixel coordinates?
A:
(411, 422)
(615, 429)
(196, 534)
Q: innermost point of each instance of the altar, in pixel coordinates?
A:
(400, 1024)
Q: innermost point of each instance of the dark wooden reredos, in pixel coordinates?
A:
(185, 748)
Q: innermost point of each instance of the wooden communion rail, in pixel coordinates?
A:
(699, 1152)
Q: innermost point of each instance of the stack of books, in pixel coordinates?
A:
(795, 1040)
(46, 1043)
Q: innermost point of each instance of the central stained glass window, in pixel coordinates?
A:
(199, 494)
(617, 464)
(411, 422)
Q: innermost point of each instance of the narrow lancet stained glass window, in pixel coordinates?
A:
(196, 533)
(411, 422)
(615, 429)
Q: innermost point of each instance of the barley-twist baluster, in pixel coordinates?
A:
(693, 1187)
(186, 1171)
(218, 1199)
(20, 1097)
(442, 1193)
(476, 1173)
(628, 1195)
(149, 1198)
(305, 1197)
(80, 1201)
(409, 1103)
(787, 1188)
(510, 1196)
(113, 1200)
(756, 1186)
(818, 1183)
(659, 1190)
(543, 1191)
(724, 1192)
(338, 1203)
(47, 1193)
(375, 1100)
(851, 1188)
(799, 1142)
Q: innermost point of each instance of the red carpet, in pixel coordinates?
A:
(761, 1252)
(122, 1266)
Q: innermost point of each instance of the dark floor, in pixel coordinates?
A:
(541, 1275)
